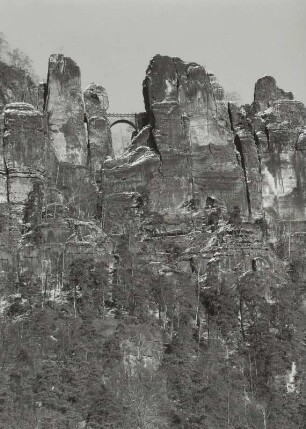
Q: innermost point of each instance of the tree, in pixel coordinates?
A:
(4, 46)
(16, 57)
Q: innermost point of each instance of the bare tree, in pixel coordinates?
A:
(16, 57)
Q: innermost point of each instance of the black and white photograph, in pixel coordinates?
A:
(152, 214)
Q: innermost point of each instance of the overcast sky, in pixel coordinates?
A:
(114, 40)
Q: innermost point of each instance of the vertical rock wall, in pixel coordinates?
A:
(99, 134)
(65, 110)
(48, 198)
(192, 158)
(277, 130)
(24, 153)
(196, 149)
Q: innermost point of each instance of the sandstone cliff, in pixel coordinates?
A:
(183, 256)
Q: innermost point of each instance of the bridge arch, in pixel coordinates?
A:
(124, 121)
(123, 128)
(125, 118)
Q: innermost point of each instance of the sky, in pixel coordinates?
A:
(114, 40)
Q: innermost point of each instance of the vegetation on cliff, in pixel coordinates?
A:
(163, 288)
(15, 57)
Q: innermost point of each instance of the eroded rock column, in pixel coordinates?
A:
(196, 148)
(278, 129)
(65, 110)
(99, 134)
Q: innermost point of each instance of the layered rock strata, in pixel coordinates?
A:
(200, 200)
(47, 196)
(192, 162)
(24, 152)
(186, 156)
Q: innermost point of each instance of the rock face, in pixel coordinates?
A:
(96, 100)
(65, 110)
(277, 130)
(274, 124)
(197, 153)
(189, 157)
(99, 134)
(266, 92)
(24, 161)
(16, 85)
(186, 241)
(43, 174)
(41, 96)
(218, 89)
(251, 165)
(24, 150)
(193, 164)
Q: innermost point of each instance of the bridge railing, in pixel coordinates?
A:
(121, 115)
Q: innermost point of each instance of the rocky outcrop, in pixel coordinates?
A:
(44, 185)
(277, 130)
(65, 110)
(274, 123)
(23, 165)
(241, 157)
(197, 152)
(193, 163)
(251, 165)
(25, 141)
(301, 142)
(96, 100)
(186, 240)
(218, 89)
(41, 96)
(24, 152)
(16, 86)
(99, 134)
(189, 155)
(266, 92)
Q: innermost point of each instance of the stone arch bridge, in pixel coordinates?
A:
(123, 118)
